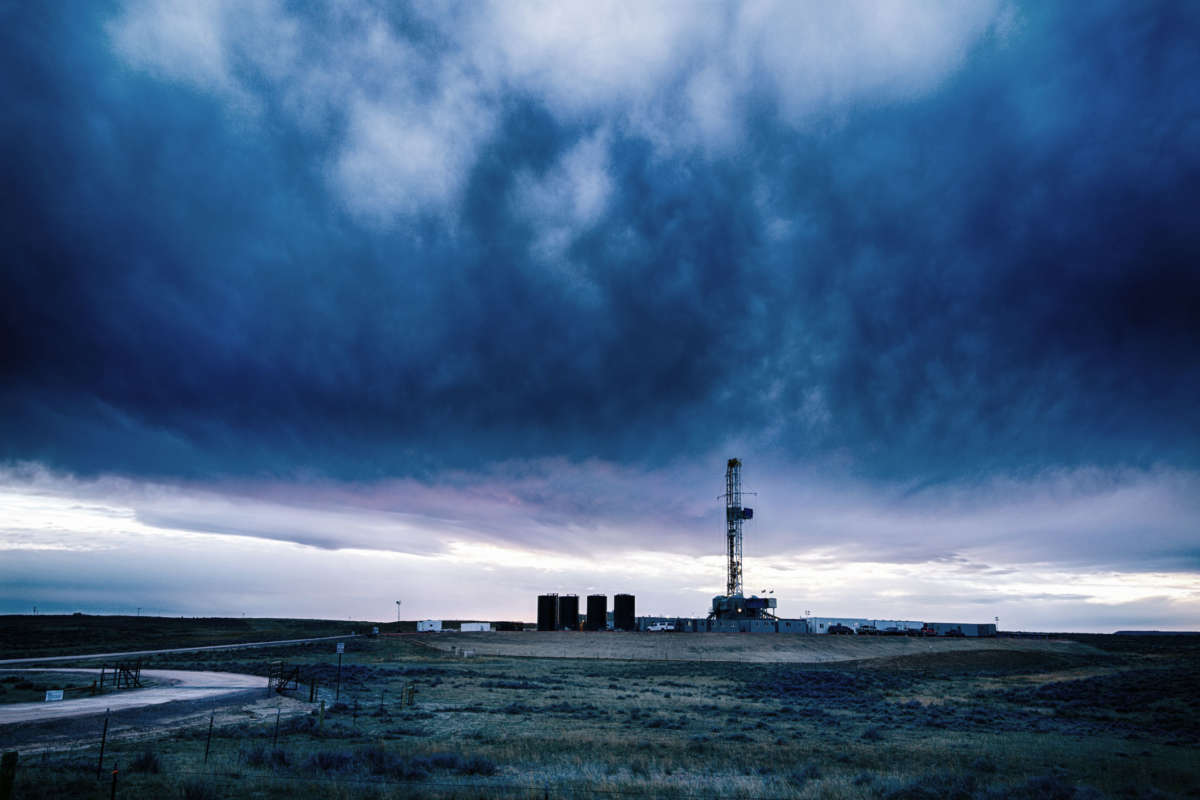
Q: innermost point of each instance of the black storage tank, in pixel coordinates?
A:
(547, 612)
(568, 612)
(597, 612)
(623, 613)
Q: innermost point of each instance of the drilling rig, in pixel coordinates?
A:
(734, 604)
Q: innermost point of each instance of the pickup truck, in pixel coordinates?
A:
(661, 626)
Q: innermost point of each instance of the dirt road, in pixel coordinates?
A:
(244, 646)
(176, 685)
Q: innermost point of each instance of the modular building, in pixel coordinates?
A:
(963, 628)
(897, 625)
(823, 624)
(475, 627)
(744, 625)
(429, 626)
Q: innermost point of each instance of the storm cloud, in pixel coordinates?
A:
(531, 271)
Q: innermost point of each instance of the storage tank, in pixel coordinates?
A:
(568, 612)
(623, 613)
(547, 612)
(597, 612)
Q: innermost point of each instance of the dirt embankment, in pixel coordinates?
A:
(741, 647)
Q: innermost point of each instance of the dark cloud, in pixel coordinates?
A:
(997, 275)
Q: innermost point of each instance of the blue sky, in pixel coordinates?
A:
(476, 300)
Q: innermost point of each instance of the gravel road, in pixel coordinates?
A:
(178, 684)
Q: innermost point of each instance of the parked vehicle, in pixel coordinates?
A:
(926, 630)
(954, 632)
(661, 626)
(867, 630)
(841, 629)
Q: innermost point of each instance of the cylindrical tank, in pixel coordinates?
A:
(568, 612)
(597, 612)
(623, 613)
(547, 612)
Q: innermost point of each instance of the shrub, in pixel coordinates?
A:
(934, 787)
(984, 764)
(255, 756)
(1042, 787)
(477, 765)
(299, 725)
(195, 789)
(148, 761)
(331, 760)
(799, 777)
(516, 708)
(379, 761)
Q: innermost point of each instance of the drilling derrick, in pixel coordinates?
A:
(734, 604)
(733, 526)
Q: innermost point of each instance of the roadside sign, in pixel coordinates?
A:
(341, 648)
(53, 694)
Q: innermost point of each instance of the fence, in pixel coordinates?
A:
(240, 759)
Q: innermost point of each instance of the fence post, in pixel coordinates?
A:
(112, 795)
(208, 742)
(381, 691)
(321, 716)
(275, 741)
(103, 741)
(8, 772)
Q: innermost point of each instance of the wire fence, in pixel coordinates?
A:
(233, 764)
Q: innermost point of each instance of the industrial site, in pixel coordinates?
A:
(593, 702)
(733, 611)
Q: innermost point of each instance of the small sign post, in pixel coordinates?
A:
(337, 695)
(53, 694)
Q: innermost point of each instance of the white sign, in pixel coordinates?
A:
(53, 694)
(341, 648)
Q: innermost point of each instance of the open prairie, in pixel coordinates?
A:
(1096, 716)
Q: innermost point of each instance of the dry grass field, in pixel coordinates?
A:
(582, 715)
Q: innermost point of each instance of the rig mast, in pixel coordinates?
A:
(734, 514)
(734, 605)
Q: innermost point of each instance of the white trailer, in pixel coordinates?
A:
(823, 624)
(475, 627)
(429, 626)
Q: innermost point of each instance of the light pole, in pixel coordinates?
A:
(397, 611)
